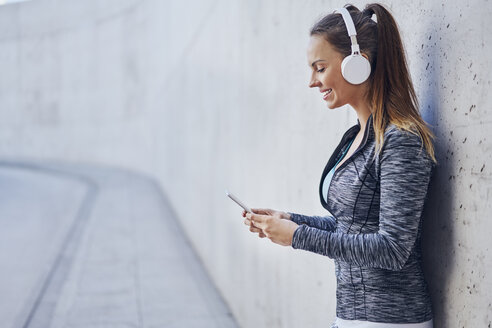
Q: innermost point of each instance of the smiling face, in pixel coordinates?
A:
(326, 75)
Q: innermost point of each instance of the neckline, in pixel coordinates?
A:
(367, 132)
(344, 153)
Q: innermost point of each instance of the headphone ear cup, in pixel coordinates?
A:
(356, 69)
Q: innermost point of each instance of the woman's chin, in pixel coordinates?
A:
(330, 105)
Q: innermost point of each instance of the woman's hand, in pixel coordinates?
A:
(265, 211)
(272, 224)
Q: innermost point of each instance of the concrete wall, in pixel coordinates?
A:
(209, 95)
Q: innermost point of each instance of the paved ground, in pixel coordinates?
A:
(84, 246)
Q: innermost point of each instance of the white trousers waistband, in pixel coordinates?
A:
(341, 323)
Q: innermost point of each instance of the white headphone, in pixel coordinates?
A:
(355, 67)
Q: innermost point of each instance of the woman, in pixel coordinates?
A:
(376, 181)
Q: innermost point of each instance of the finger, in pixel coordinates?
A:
(260, 221)
(248, 222)
(244, 213)
(255, 229)
(257, 217)
(261, 235)
(261, 210)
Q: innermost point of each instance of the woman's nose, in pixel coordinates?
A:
(313, 83)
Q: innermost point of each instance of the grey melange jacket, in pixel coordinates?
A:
(374, 233)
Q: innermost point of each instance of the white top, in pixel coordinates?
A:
(326, 183)
(341, 323)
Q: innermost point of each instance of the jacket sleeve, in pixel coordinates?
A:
(327, 223)
(405, 171)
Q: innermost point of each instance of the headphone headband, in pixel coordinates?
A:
(349, 23)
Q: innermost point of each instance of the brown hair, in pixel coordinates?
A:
(391, 93)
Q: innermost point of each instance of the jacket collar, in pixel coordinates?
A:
(346, 138)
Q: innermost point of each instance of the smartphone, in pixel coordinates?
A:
(235, 199)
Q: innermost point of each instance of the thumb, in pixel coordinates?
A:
(261, 210)
(258, 220)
